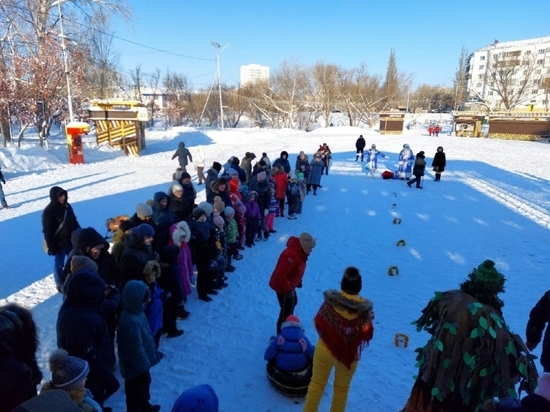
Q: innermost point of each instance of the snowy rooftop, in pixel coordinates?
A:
(515, 43)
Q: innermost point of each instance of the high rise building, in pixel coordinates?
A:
(512, 75)
(252, 73)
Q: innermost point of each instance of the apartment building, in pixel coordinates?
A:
(252, 73)
(512, 75)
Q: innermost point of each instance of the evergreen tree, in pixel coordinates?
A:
(391, 82)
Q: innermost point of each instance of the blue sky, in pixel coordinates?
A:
(427, 35)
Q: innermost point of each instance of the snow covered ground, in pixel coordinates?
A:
(493, 202)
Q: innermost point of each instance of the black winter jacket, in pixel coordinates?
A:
(419, 165)
(52, 216)
(439, 162)
(133, 261)
(538, 319)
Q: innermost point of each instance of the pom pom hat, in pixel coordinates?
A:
(143, 231)
(68, 372)
(293, 318)
(307, 241)
(484, 284)
(143, 210)
(351, 281)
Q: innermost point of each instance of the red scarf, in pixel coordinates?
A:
(344, 338)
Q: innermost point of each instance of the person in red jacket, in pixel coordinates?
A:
(281, 181)
(288, 273)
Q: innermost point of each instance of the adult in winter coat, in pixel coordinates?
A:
(19, 371)
(200, 164)
(291, 350)
(136, 348)
(246, 165)
(406, 162)
(537, 324)
(201, 398)
(302, 164)
(58, 223)
(183, 155)
(315, 173)
(180, 206)
(418, 170)
(288, 274)
(372, 159)
(468, 333)
(359, 147)
(139, 251)
(439, 163)
(83, 332)
(2, 196)
(283, 161)
(219, 188)
(164, 217)
(539, 401)
(235, 166)
(344, 324)
(189, 191)
(88, 242)
(211, 176)
(120, 239)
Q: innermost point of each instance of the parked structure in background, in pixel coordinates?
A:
(509, 76)
(253, 73)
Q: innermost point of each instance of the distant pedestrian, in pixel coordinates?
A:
(360, 147)
(2, 196)
(437, 129)
(183, 155)
(200, 160)
(439, 163)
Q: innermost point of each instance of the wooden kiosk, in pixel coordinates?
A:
(120, 124)
(391, 123)
(531, 126)
(468, 124)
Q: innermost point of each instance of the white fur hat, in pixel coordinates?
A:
(182, 230)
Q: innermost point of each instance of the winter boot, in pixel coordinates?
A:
(182, 313)
(357, 158)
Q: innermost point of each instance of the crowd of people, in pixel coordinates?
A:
(121, 298)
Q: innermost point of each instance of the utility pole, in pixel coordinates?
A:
(65, 63)
(219, 49)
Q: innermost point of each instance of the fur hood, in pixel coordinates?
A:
(182, 230)
(339, 301)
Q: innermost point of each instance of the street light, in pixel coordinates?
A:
(219, 49)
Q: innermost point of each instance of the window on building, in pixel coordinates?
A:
(480, 76)
(481, 66)
(545, 102)
(540, 61)
(482, 58)
(490, 93)
(522, 82)
(534, 91)
(538, 71)
(541, 51)
(479, 84)
(527, 51)
(492, 84)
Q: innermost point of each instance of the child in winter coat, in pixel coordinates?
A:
(418, 170)
(231, 235)
(293, 196)
(170, 282)
(302, 185)
(439, 163)
(69, 374)
(272, 212)
(136, 348)
(181, 234)
(253, 218)
(279, 175)
(153, 309)
(291, 349)
(372, 159)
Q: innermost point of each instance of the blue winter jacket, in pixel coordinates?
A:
(136, 346)
(292, 349)
(200, 398)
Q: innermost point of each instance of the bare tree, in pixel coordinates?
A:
(137, 79)
(512, 77)
(177, 92)
(460, 81)
(324, 83)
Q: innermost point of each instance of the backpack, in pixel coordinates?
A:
(387, 175)
(293, 189)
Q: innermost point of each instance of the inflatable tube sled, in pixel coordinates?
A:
(289, 383)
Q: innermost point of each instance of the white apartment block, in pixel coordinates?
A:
(520, 54)
(252, 73)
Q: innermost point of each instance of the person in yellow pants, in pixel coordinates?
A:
(344, 324)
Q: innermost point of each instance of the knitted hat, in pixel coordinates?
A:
(82, 262)
(543, 388)
(143, 210)
(207, 207)
(261, 176)
(219, 205)
(143, 231)
(218, 221)
(307, 241)
(292, 318)
(373, 146)
(241, 208)
(198, 212)
(351, 281)
(233, 172)
(262, 163)
(217, 166)
(185, 175)
(126, 225)
(484, 284)
(228, 211)
(68, 372)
